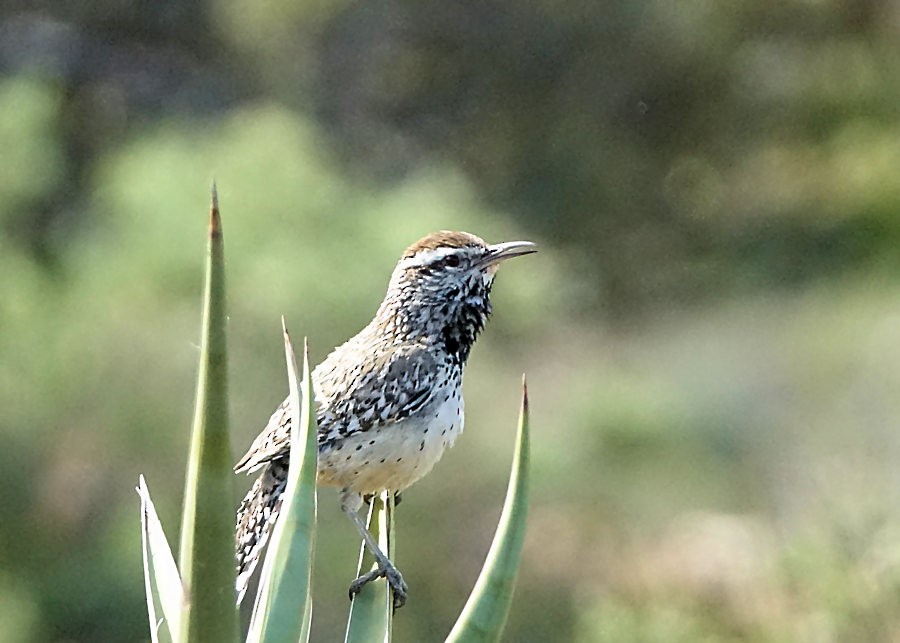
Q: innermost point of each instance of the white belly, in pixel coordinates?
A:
(395, 455)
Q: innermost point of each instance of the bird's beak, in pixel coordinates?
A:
(501, 251)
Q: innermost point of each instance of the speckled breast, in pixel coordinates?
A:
(394, 455)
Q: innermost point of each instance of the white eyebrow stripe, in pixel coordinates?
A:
(426, 257)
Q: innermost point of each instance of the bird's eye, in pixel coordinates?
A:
(451, 262)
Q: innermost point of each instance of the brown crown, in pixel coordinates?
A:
(444, 239)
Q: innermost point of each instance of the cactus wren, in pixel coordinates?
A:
(389, 400)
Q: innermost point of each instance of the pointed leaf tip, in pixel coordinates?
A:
(524, 392)
(215, 221)
(162, 581)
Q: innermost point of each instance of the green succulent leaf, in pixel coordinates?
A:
(484, 614)
(371, 611)
(283, 608)
(207, 535)
(161, 580)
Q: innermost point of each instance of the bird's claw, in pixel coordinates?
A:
(399, 589)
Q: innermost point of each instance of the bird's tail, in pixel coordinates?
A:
(255, 518)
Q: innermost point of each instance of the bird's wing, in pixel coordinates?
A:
(397, 382)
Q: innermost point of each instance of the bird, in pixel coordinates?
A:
(389, 400)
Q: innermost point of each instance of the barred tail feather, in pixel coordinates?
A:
(255, 518)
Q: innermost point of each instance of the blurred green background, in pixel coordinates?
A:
(711, 330)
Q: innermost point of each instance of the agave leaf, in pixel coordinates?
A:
(484, 615)
(371, 611)
(207, 537)
(283, 608)
(148, 583)
(161, 580)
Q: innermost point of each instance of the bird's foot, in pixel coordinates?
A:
(399, 588)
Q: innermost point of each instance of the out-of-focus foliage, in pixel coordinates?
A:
(711, 329)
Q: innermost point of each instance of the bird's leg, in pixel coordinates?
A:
(350, 504)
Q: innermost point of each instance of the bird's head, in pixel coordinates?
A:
(444, 280)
